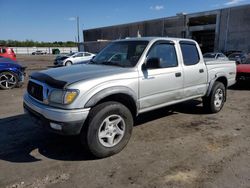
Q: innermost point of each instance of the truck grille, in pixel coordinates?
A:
(35, 90)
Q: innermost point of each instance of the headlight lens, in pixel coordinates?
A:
(70, 96)
(63, 96)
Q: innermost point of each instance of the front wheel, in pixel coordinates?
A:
(215, 101)
(108, 129)
(8, 80)
(68, 63)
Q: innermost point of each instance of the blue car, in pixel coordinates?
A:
(11, 74)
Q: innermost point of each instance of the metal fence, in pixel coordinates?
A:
(29, 50)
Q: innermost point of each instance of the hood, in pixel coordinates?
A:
(6, 62)
(243, 68)
(62, 57)
(63, 76)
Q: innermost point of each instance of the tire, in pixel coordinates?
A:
(108, 129)
(8, 80)
(68, 63)
(215, 101)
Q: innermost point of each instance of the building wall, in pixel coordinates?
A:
(29, 50)
(171, 27)
(234, 31)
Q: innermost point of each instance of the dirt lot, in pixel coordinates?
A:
(179, 146)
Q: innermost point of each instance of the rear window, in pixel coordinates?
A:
(189, 53)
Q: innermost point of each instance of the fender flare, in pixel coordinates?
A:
(111, 91)
(211, 84)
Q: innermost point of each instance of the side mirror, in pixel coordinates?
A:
(152, 63)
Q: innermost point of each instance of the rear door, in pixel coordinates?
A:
(194, 70)
(162, 85)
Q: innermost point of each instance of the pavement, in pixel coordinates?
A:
(177, 146)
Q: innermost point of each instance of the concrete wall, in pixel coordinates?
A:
(95, 47)
(29, 50)
(171, 27)
(234, 31)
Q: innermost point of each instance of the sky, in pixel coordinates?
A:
(54, 20)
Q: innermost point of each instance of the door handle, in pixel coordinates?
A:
(201, 70)
(178, 74)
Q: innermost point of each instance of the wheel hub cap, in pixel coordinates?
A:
(219, 97)
(7, 80)
(111, 131)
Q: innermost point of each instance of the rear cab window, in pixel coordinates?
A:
(190, 53)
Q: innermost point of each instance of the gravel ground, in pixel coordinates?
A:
(178, 146)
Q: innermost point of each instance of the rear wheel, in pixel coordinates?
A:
(215, 101)
(108, 129)
(8, 80)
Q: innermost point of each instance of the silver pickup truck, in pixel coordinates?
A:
(100, 100)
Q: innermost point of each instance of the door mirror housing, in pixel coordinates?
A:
(152, 63)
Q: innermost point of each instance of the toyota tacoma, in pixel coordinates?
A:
(100, 100)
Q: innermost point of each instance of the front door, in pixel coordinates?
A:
(161, 84)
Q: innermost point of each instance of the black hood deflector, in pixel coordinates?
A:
(48, 80)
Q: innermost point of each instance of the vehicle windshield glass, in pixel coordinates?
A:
(210, 55)
(122, 54)
(235, 55)
(247, 61)
(70, 54)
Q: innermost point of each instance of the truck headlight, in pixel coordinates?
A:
(63, 96)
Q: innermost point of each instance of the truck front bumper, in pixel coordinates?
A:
(61, 121)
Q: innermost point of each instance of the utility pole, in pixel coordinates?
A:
(78, 37)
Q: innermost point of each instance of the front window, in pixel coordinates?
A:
(166, 53)
(123, 53)
(78, 55)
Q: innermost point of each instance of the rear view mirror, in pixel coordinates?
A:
(153, 63)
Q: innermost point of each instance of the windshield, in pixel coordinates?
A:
(247, 61)
(70, 54)
(123, 53)
(235, 55)
(209, 55)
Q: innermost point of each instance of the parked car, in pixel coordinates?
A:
(73, 58)
(99, 101)
(11, 74)
(243, 71)
(7, 53)
(214, 56)
(39, 52)
(228, 53)
(239, 58)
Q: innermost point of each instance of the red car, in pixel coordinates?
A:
(7, 53)
(243, 71)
